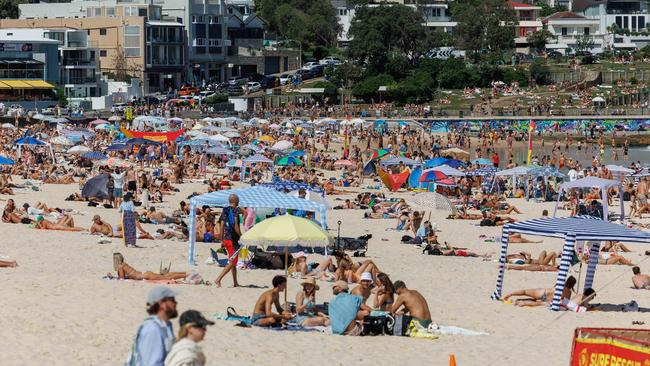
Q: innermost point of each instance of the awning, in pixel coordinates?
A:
(40, 84)
(17, 84)
(4, 86)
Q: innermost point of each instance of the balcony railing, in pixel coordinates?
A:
(81, 80)
(78, 62)
(21, 74)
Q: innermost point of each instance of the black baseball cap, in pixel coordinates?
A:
(194, 317)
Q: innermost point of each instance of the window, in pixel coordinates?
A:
(214, 19)
(214, 42)
(633, 19)
(199, 42)
(199, 50)
(641, 22)
(142, 12)
(565, 31)
(110, 12)
(132, 41)
(89, 12)
(214, 31)
(193, 18)
(102, 31)
(619, 21)
(343, 12)
(626, 23)
(199, 31)
(585, 31)
(98, 12)
(92, 55)
(102, 53)
(130, 11)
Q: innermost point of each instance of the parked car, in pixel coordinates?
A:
(203, 95)
(237, 80)
(308, 66)
(285, 78)
(318, 71)
(188, 90)
(119, 107)
(270, 82)
(253, 86)
(235, 90)
(304, 74)
(554, 54)
(330, 60)
(255, 77)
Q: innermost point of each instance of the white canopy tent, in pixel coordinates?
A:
(593, 182)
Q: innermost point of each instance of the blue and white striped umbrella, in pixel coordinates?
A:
(584, 228)
(488, 170)
(219, 151)
(258, 158)
(94, 155)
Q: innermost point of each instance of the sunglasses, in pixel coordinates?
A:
(172, 299)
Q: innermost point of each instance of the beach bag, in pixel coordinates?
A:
(266, 260)
(376, 325)
(401, 325)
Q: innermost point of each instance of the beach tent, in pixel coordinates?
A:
(289, 185)
(618, 170)
(32, 141)
(251, 147)
(96, 187)
(79, 149)
(396, 160)
(593, 182)
(6, 161)
(393, 181)
(249, 197)
(571, 229)
(255, 159)
(370, 168)
(414, 180)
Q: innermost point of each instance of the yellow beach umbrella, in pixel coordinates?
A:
(266, 138)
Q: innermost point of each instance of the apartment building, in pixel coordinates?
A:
(131, 37)
(624, 22)
(568, 28)
(528, 21)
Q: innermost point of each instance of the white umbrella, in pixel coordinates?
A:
(114, 118)
(282, 145)
(219, 138)
(61, 140)
(197, 134)
(619, 169)
(79, 149)
(8, 126)
(39, 116)
(432, 201)
(103, 126)
(598, 100)
(232, 134)
(274, 126)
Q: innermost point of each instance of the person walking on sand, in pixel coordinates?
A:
(230, 232)
(155, 336)
(187, 351)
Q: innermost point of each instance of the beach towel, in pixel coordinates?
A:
(129, 229)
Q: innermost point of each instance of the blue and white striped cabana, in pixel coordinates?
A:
(571, 229)
(250, 197)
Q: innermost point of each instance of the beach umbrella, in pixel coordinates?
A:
(343, 163)
(175, 120)
(449, 171)
(232, 134)
(197, 134)
(6, 161)
(118, 147)
(454, 163)
(274, 126)
(96, 187)
(98, 121)
(39, 116)
(29, 140)
(8, 126)
(432, 175)
(251, 147)
(378, 154)
(219, 151)
(431, 201)
(218, 138)
(619, 169)
(59, 120)
(297, 153)
(456, 152)
(266, 138)
(141, 141)
(435, 162)
(235, 163)
(289, 160)
(61, 140)
(103, 126)
(482, 161)
(94, 155)
(485, 171)
(79, 149)
(282, 145)
(114, 118)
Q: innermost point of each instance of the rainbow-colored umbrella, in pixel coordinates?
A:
(378, 154)
(432, 175)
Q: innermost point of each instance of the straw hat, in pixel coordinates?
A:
(310, 281)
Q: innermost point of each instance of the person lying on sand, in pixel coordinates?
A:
(63, 224)
(126, 272)
(609, 259)
(157, 217)
(517, 238)
(11, 216)
(263, 315)
(9, 264)
(544, 258)
(541, 296)
(532, 267)
(640, 281)
(450, 251)
(300, 267)
(411, 302)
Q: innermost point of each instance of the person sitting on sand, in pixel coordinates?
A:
(156, 217)
(8, 264)
(609, 259)
(411, 302)
(126, 272)
(544, 258)
(384, 294)
(10, 216)
(306, 314)
(346, 311)
(612, 246)
(100, 227)
(300, 267)
(640, 281)
(64, 224)
(364, 288)
(347, 272)
(263, 315)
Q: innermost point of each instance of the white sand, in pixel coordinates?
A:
(56, 309)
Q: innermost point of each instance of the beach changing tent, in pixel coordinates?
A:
(414, 180)
(393, 181)
(96, 187)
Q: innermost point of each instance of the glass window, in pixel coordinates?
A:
(199, 31)
(89, 12)
(565, 31)
(586, 31)
(102, 31)
(193, 18)
(132, 41)
(110, 12)
(98, 12)
(199, 50)
(641, 22)
(142, 12)
(214, 31)
(102, 53)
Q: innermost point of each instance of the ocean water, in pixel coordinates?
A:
(637, 153)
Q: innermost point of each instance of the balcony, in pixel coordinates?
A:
(78, 62)
(178, 39)
(21, 74)
(80, 80)
(165, 62)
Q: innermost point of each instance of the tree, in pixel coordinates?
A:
(584, 43)
(549, 10)
(484, 26)
(539, 39)
(311, 22)
(368, 88)
(387, 33)
(123, 69)
(540, 72)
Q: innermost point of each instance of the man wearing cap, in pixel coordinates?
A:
(365, 286)
(345, 309)
(155, 335)
(100, 227)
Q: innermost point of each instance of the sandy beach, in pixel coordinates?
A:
(57, 309)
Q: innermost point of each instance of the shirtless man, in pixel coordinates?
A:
(263, 315)
(160, 218)
(364, 289)
(639, 280)
(413, 303)
(100, 227)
